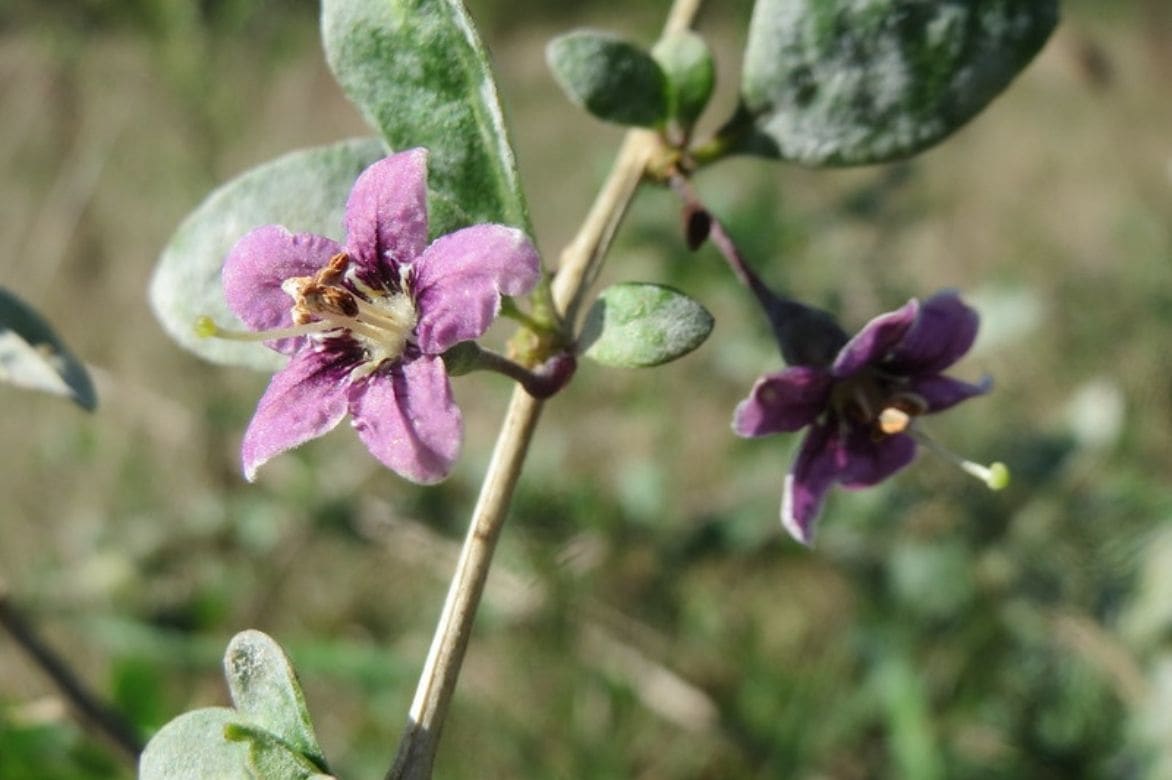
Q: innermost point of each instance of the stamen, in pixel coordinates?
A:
(995, 475)
(376, 315)
(206, 328)
(892, 420)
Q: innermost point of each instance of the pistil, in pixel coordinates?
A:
(206, 328)
(995, 475)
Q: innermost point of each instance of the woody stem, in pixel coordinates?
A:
(580, 263)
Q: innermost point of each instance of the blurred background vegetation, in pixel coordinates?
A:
(647, 616)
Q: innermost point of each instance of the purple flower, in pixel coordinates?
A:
(365, 322)
(860, 408)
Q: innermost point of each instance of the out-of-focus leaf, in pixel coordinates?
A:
(305, 191)
(418, 71)
(839, 82)
(613, 79)
(32, 356)
(691, 74)
(915, 754)
(193, 747)
(265, 688)
(636, 325)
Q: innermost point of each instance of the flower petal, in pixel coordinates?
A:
(944, 331)
(408, 420)
(386, 215)
(875, 340)
(305, 399)
(813, 473)
(459, 280)
(864, 461)
(257, 266)
(783, 402)
(942, 392)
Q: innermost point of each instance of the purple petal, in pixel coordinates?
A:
(386, 215)
(459, 280)
(257, 266)
(944, 331)
(864, 461)
(875, 340)
(942, 392)
(783, 402)
(408, 420)
(813, 473)
(305, 399)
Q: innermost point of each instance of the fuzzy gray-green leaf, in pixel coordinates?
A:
(264, 687)
(193, 747)
(611, 78)
(419, 73)
(841, 82)
(636, 325)
(691, 74)
(305, 191)
(269, 757)
(34, 357)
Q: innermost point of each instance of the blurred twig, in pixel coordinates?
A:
(91, 710)
(658, 688)
(1089, 640)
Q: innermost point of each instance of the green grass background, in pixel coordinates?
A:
(647, 617)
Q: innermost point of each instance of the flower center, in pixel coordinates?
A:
(877, 401)
(382, 322)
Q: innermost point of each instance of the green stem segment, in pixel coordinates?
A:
(541, 382)
(580, 263)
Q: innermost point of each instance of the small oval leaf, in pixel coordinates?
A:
(33, 357)
(636, 325)
(264, 687)
(419, 73)
(305, 191)
(611, 78)
(193, 746)
(269, 757)
(691, 74)
(838, 82)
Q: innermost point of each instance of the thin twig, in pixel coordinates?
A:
(806, 335)
(89, 707)
(579, 267)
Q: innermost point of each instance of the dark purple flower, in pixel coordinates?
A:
(365, 322)
(860, 408)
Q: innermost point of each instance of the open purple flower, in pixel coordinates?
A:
(365, 322)
(860, 408)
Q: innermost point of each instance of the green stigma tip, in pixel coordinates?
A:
(205, 328)
(998, 476)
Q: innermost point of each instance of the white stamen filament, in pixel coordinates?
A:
(380, 322)
(377, 316)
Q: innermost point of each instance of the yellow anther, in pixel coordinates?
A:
(892, 420)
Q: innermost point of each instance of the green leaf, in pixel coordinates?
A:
(635, 325)
(305, 191)
(418, 71)
(611, 78)
(269, 758)
(839, 82)
(264, 687)
(691, 74)
(32, 356)
(193, 747)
